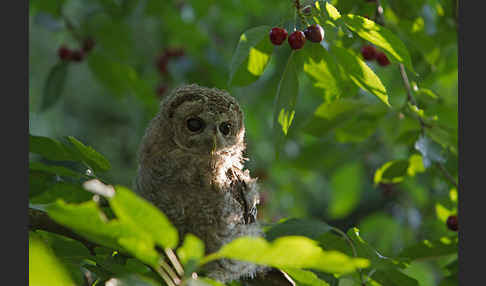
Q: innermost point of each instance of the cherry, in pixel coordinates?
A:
(77, 55)
(382, 59)
(452, 223)
(314, 33)
(161, 63)
(297, 40)
(64, 53)
(88, 44)
(278, 35)
(368, 52)
(174, 52)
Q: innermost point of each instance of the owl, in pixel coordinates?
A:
(190, 165)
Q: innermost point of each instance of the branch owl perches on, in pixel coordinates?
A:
(191, 167)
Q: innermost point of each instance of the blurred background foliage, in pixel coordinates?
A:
(109, 96)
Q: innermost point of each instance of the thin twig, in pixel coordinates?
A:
(447, 175)
(175, 262)
(299, 12)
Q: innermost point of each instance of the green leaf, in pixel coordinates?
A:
(360, 73)
(88, 155)
(324, 71)
(416, 165)
(66, 249)
(53, 7)
(202, 281)
(49, 148)
(431, 249)
(251, 57)
(394, 277)
(332, 12)
(54, 86)
(192, 249)
(133, 209)
(71, 193)
(286, 98)
(376, 259)
(39, 182)
(346, 187)
(56, 170)
(442, 212)
(310, 228)
(118, 77)
(431, 151)
(304, 277)
(288, 252)
(381, 37)
(87, 220)
(132, 280)
(44, 267)
(391, 172)
(331, 115)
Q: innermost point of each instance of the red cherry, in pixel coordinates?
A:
(88, 44)
(382, 59)
(64, 53)
(174, 52)
(161, 63)
(77, 55)
(368, 52)
(278, 35)
(314, 33)
(296, 40)
(453, 223)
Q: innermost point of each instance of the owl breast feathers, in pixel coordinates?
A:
(191, 167)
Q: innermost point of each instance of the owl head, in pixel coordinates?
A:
(203, 120)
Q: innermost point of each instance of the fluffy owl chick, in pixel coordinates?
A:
(191, 167)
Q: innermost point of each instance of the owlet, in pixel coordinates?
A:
(191, 167)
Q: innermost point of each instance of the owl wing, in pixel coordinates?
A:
(244, 190)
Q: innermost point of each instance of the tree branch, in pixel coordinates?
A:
(410, 97)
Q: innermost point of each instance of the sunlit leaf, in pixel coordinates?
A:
(416, 165)
(286, 98)
(288, 251)
(360, 73)
(381, 37)
(332, 11)
(251, 56)
(304, 277)
(44, 267)
(324, 71)
(391, 172)
(442, 212)
(131, 208)
(192, 249)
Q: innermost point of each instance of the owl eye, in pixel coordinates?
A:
(225, 128)
(195, 124)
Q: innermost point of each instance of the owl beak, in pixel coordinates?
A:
(215, 144)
